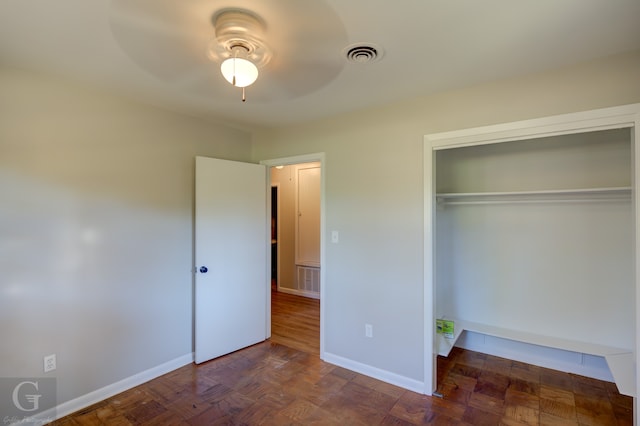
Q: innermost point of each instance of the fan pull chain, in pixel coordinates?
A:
(235, 56)
(244, 98)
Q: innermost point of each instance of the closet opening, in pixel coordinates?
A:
(531, 242)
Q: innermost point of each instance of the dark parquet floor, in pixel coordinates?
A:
(276, 384)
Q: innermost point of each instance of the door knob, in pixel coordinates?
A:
(203, 269)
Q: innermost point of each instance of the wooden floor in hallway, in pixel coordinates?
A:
(282, 381)
(295, 321)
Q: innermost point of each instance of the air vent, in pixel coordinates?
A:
(362, 53)
(308, 279)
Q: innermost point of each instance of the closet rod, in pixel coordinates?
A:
(537, 201)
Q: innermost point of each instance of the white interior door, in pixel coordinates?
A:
(231, 257)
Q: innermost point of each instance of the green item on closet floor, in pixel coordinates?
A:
(445, 327)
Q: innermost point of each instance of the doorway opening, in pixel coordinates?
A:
(295, 255)
(296, 282)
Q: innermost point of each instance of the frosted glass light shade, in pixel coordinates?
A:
(245, 71)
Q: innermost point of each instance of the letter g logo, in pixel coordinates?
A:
(33, 399)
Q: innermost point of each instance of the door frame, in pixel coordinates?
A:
(286, 161)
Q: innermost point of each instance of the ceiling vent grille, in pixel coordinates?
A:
(362, 53)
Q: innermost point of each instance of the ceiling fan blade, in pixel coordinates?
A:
(163, 40)
(170, 40)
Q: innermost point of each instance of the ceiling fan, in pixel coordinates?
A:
(239, 46)
(294, 46)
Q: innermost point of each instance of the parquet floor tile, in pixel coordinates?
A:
(524, 399)
(283, 382)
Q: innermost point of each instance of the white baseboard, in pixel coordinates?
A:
(376, 373)
(556, 359)
(297, 292)
(108, 391)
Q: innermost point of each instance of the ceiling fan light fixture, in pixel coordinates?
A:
(239, 72)
(239, 46)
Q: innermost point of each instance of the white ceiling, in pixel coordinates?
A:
(155, 50)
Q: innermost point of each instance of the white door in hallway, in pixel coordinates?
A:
(231, 257)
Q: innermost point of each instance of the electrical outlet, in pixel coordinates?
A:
(49, 363)
(368, 330)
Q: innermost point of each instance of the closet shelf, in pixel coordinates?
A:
(539, 196)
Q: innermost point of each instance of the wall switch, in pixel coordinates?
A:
(368, 330)
(49, 363)
(335, 237)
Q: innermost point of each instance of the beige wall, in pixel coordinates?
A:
(374, 195)
(96, 230)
